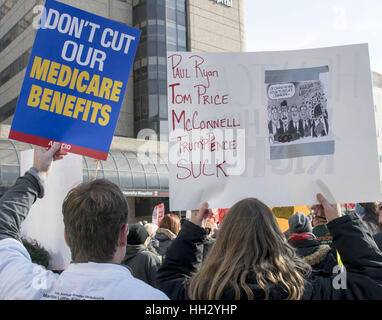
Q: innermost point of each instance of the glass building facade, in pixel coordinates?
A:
(163, 24)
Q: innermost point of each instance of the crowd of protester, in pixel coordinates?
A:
(246, 257)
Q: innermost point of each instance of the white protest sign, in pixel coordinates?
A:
(44, 222)
(278, 126)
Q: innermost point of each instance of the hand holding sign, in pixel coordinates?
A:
(75, 81)
(198, 217)
(330, 211)
(43, 158)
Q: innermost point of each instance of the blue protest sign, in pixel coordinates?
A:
(75, 81)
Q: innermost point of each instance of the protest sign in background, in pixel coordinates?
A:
(223, 147)
(44, 222)
(75, 80)
(158, 213)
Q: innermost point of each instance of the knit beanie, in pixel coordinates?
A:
(299, 223)
(137, 234)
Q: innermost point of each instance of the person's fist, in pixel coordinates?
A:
(325, 209)
(43, 158)
(198, 216)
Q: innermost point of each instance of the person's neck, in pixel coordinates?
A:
(115, 260)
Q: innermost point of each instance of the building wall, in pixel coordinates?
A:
(8, 56)
(215, 27)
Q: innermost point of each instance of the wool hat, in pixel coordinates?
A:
(137, 234)
(299, 223)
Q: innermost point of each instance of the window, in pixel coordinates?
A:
(144, 107)
(163, 107)
(162, 86)
(6, 7)
(8, 109)
(153, 88)
(163, 24)
(171, 4)
(171, 14)
(180, 18)
(152, 48)
(16, 30)
(15, 67)
(162, 49)
(171, 32)
(137, 108)
(181, 5)
(153, 105)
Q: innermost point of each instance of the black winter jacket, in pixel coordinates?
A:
(320, 257)
(358, 251)
(378, 239)
(142, 263)
(164, 239)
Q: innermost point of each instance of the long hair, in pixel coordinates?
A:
(249, 243)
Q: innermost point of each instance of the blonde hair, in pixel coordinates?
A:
(249, 242)
(151, 229)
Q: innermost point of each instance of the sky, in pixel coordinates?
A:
(273, 25)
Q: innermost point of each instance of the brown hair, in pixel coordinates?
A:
(249, 244)
(171, 222)
(94, 215)
(370, 207)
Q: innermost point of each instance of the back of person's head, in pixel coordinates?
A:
(151, 228)
(370, 207)
(137, 234)
(37, 252)
(94, 214)
(359, 209)
(209, 225)
(249, 243)
(170, 222)
(299, 223)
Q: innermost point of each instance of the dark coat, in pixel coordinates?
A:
(164, 239)
(307, 131)
(362, 260)
(278, 130)
(142, 263)
(321, 129)
(319, 257)
(370, 220)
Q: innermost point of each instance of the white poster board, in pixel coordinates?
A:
(44, 222)
(235, 129)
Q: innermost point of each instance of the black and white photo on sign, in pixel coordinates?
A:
(299, 115)
(297, 109)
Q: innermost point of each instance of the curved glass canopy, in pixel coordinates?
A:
(134, 173)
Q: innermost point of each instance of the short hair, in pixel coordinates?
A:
(94, 215)
(284, 103)
(171, 222)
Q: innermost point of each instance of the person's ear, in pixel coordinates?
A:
(123, 235)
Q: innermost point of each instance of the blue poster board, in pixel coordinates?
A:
(75, 81)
